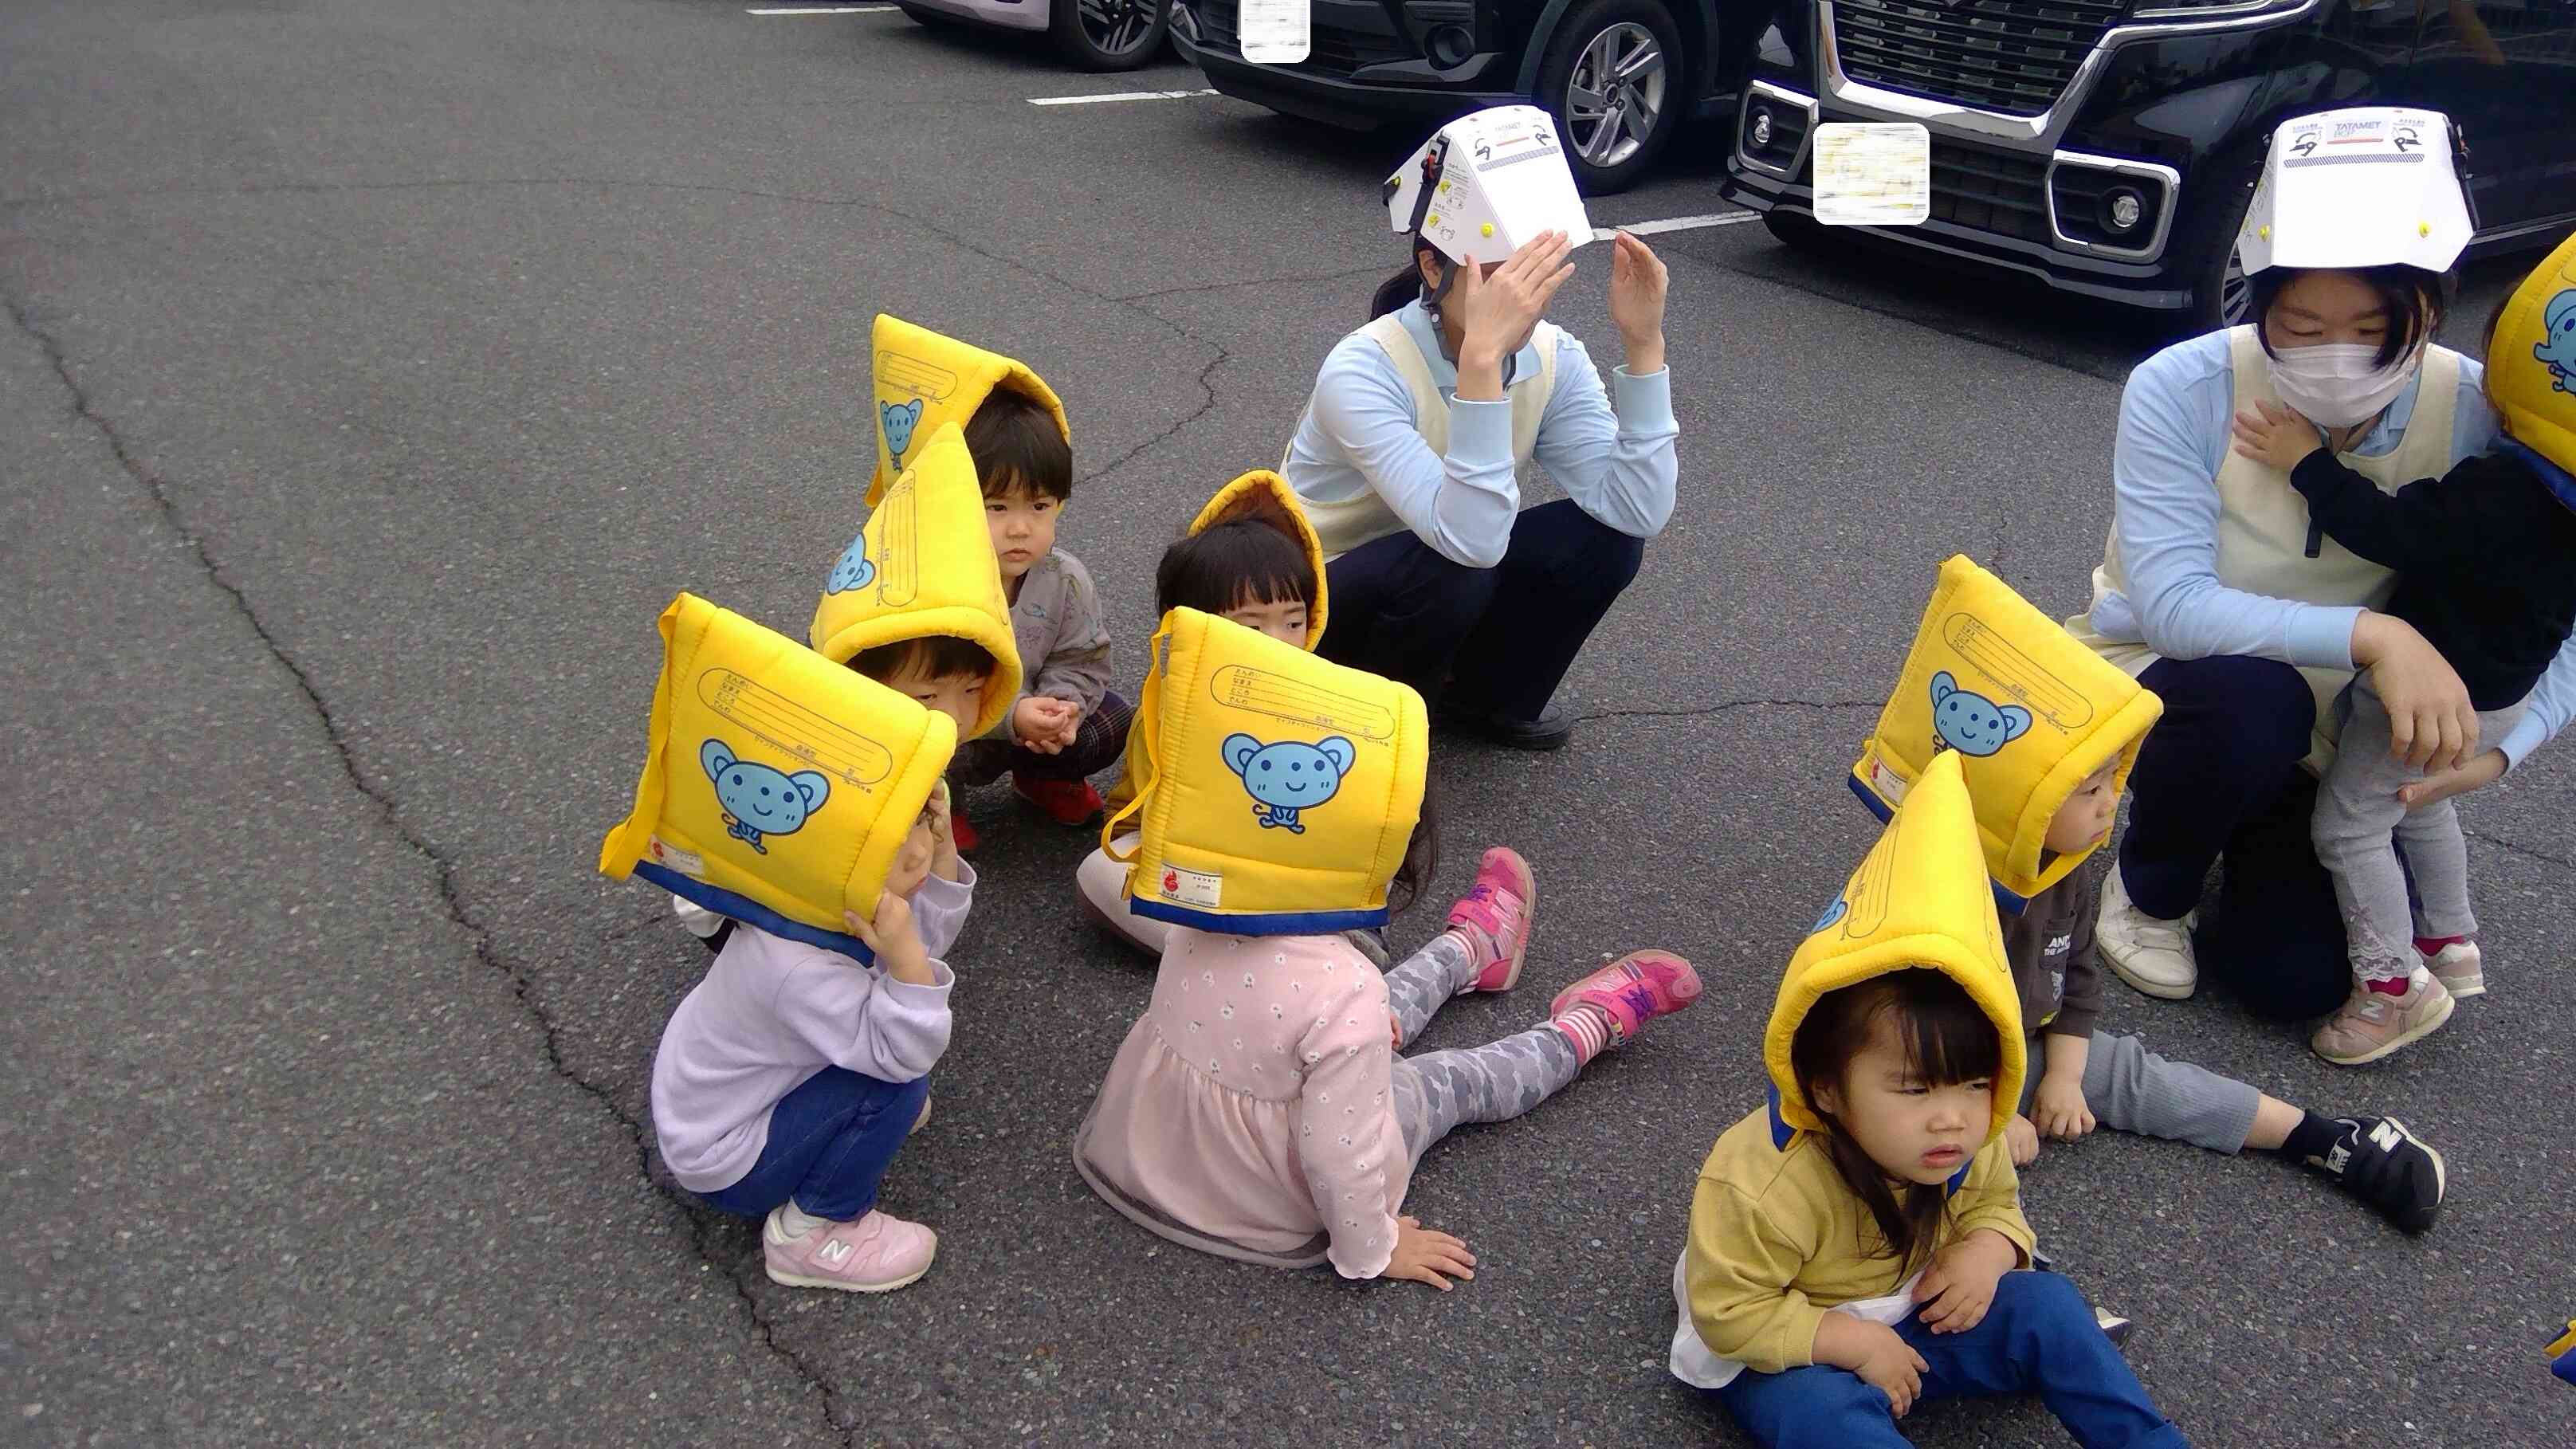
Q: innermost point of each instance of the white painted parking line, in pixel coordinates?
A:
(1679, 223)
(1117, 96)
(819, 9)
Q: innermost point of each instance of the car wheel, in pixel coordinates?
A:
(2206, 244)
(1109, 34)
(1614, 79)
(927, 18)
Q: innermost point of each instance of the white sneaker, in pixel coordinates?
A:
(2461, 970)
(2152, 955)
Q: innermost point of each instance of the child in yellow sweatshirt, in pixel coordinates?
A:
(1855, 1245)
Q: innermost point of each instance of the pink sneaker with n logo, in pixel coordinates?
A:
(875, 1254)
(1632, 991)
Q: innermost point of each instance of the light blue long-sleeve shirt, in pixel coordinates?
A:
(1361, 433)
(2175, 419)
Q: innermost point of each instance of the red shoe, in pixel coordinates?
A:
(1501, 906)
(1633, 990)
(1066, 802)
(962, 833)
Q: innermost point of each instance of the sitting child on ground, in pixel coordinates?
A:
(1259, 1110)
(1251, 557)
(1854, 1246)
(2486, 564)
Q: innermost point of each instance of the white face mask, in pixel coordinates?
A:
(2340, 384)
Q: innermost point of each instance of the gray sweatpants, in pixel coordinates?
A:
(2358, 826)
(1437, 1091)
(2131, 1089)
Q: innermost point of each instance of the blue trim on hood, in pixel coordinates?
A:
(752, 913)
(2556, 479)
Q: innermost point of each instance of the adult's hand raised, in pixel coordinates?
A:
(1495, 312)
(2431, 725)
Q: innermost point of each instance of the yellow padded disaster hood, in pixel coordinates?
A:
(1264, 495)
(1920, 899)
(924, 566)
(777, 785)
(2531, 364)
(1281, 790)
(925, 381)
(2030, 712)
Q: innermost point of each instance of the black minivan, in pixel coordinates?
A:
(2109, 147)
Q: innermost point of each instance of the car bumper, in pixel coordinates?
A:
(1362, 99)
(1001, 14)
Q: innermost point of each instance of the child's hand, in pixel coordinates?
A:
(1890, 1365)
(943, 833)
(1422, 1255)
(2061, 1108)
(1959, 1287)
(2022, 1140)
(1395, 1031)
(2272, 434)
(895, 939)
(1044, 725)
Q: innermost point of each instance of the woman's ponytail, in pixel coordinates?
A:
(1396, 292)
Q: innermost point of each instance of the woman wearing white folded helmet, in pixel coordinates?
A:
(2218, 593)
(1408, 454)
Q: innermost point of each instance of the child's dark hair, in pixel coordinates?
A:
(933, 656)
(1017, 447)
(1240, 561)
(1421, 861)
(2486, 353)
(2417, 302)
(1947, 1039)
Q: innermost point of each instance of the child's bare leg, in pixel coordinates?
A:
(2273, 1121)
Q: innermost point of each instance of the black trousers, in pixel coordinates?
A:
(2218, 780)
(1505, 635)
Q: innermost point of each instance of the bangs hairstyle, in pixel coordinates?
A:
(935, 656)
(2417, 303)
(1240, 561)
(1947, 1039)
(1017, 448)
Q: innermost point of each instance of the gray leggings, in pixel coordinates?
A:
(1437, 1091)
(2358, 825)
(2131, 1089)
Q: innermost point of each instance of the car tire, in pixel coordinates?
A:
(1109, 34)
(1801, 232)
(1607, 147)
(929, 19)
(2205, 243)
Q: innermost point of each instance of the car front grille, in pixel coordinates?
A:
(2011, 56)
(2002, 192)
(1329, 52)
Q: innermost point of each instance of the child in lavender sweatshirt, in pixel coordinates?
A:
(788, 1079)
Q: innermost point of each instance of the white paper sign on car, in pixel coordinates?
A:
(1876, 173)
(1276, 32)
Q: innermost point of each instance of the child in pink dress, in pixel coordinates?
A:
(1259, 1111)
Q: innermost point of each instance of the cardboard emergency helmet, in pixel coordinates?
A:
(2369, 187)
(1485, 184)
(1282, 790)
(2531, 362)
(1919, 900)
(777, 786)
(2030, 712)
(922, 566)
(924, 380)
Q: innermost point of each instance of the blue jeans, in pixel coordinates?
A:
(1506, 634)
(830, 1142)
(2038, 1335)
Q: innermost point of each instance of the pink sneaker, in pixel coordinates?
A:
(1502, 904)
(876, 1254)
(1633, 990)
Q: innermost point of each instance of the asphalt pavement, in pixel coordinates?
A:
(376, 372)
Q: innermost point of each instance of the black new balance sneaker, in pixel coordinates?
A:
(2379, 1161)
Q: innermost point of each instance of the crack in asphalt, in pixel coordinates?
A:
(2498, 841)
(701, 1224)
